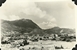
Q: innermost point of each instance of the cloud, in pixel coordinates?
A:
(13, 10)
(63, 12)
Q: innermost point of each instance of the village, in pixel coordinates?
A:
(36, 39)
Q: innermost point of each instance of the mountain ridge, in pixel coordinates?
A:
(28, 26)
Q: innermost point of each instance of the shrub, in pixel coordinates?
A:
(5, 42)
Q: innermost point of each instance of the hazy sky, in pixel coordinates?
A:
(45, 14)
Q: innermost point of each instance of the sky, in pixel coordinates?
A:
(45, 14)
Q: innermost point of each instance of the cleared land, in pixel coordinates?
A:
(48, 45)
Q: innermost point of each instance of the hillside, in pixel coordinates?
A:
(18, 26)
(58, 30)
(21, 26)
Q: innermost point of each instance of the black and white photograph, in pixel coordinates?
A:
(37, 25)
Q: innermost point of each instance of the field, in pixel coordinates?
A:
(47, 45)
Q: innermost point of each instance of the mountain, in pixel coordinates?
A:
(18, 26)
(25, 23)
(54, 30)
(68, 30)
(27, 26)
(58, 30)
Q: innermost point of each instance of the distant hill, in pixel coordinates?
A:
(68, 30)
(58, 30)
(54, 30)
(21, 26)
